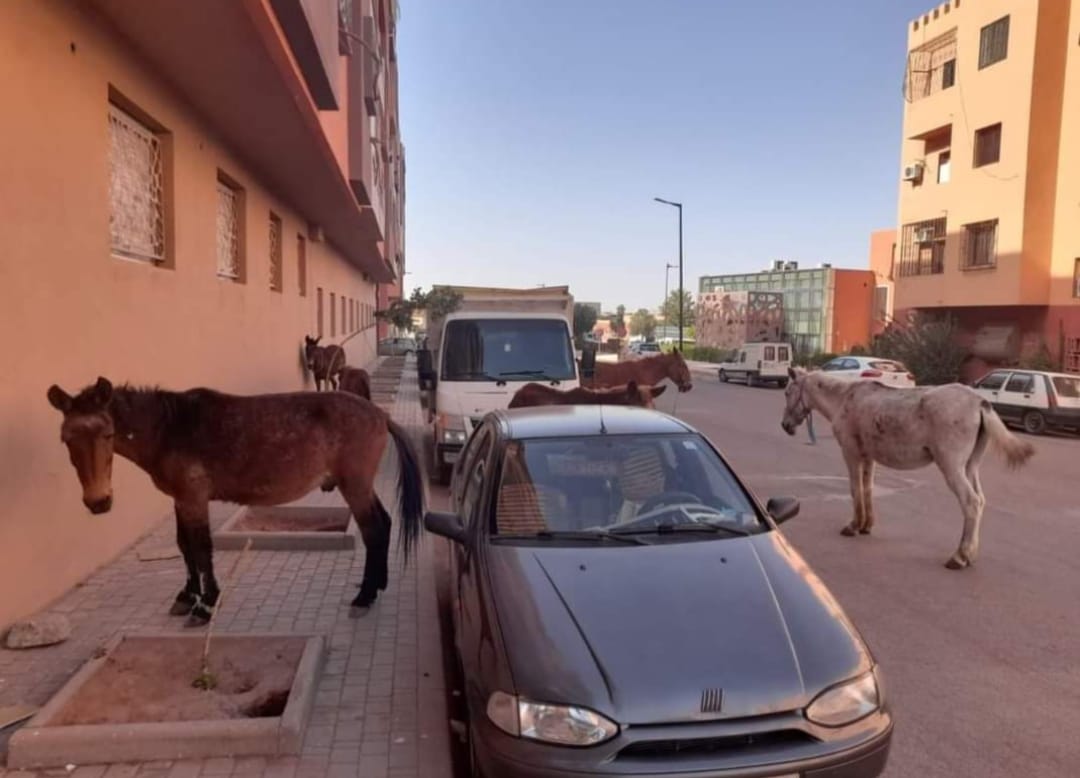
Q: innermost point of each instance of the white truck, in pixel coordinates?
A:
(759, 363)
(476, 358)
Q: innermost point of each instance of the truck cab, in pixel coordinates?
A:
(482, 358)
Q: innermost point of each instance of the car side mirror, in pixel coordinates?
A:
(782, 508)
(447, 525)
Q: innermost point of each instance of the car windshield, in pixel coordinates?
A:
(1066, 386)
(507, 349)
(888, 366)
(620, 485)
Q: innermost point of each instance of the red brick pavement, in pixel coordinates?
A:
(380, 710)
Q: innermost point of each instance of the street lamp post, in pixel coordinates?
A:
(667, 273)
(681, 294)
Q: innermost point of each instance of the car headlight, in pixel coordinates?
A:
(846, 703)
(451, 428)
(564, 725)
(453, 436)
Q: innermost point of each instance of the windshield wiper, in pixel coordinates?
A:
(549, 534)
(529, 373)
(664, 529)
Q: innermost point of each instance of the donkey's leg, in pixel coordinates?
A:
(197, 519)
(361, 502)
(382, 578)
(855, 470)
(185, 600)
(868, 497)
(971, 503)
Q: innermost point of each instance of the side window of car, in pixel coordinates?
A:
(993, 381)
(472, 480)
(833, 364)
(1023, 383)
(851, 364)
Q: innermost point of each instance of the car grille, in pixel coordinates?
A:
(728, 745)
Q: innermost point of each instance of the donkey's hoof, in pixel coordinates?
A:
(328, 486)
(199, 616)
(365, 598)
(865, 531)
(848, 532)
(956, 564)
(181, 608)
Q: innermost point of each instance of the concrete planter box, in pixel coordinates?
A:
(42, 744)
(233, 535)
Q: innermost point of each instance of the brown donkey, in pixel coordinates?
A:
(202, 445)
(539, 394)
(649, 371)
(324, 362)
(355, 380)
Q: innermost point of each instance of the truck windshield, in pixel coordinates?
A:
(507, 349)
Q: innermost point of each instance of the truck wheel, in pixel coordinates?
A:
(751, 379)
(723, 377)
(1034, 422)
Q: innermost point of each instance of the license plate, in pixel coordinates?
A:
(450, 457)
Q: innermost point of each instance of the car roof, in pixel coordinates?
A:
(560, 421)
(1033, 372)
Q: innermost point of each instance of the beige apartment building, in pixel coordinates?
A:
(989, 206)
(186, 190)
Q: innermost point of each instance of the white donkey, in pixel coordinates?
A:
(907, 429)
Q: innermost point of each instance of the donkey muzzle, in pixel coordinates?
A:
(789, 428)
(100, 505)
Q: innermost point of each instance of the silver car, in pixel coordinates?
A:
(623, 606)
(397, 347)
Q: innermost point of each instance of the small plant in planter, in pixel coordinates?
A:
(206, 680)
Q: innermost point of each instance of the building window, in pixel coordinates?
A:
(276, 268)
(230, 228)
(980, 245)
(136, 189)
(994, 42)
(1076, 278)
(931, 67)
(343, 319)
(922, 248)
(301, 264)
(944, 167)
(319, 311)
(881, 303)
(988, 145)
(333, 315)
(1072, 354)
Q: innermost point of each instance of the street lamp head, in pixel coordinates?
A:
(667, 202)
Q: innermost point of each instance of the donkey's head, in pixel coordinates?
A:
(678, 371)
(796, 404)
(311, 350)
(87, 431)
(643, 395)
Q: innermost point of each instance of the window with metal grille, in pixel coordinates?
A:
(301, 264)
(931, 67)
(276, 268)
(319, 311)
(881, 303)
(333, 314)
(136, 189)
(987, 145)
(980, 245)
(994, 42)
(922, 248)
(230, 227)
(1072, 354)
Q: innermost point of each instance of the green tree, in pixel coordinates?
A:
(584, 319)
(642, 323)
(438, 302)
(619, 322)
(670, 309)
(927, 345)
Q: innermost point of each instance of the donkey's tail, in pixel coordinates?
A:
(410, 488)
(1016, 451)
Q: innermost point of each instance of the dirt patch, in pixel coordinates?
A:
(278, 520)
(149, 680)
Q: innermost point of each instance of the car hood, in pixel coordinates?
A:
(647, 634)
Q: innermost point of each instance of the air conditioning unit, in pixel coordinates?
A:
(778, 264)
(791, 266)
(924, 235)
(913, 172)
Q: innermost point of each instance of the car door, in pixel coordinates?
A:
(1019, 395)
(989, 387)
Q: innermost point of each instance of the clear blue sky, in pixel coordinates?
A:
(537, 133)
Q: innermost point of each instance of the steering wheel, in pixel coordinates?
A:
(668, 498)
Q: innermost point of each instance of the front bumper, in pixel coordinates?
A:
(502, 757)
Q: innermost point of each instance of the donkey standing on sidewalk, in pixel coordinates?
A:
(906, 429)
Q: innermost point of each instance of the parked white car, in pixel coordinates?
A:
(758, 363)
(886, 371)
(642, 349)
(1036, 400)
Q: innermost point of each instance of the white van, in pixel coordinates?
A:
(759, 363)
(1034, 399)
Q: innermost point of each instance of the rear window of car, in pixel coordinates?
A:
(599, 483)
(888, 366)
(1066, 386)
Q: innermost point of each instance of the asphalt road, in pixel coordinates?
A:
(982, 666)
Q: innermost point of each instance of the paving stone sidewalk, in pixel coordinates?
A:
(380, 710)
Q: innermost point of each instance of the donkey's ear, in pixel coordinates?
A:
(656, 391)
(791, 373)
(103, 390)
(59, 399)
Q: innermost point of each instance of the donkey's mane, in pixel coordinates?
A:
(132, 404)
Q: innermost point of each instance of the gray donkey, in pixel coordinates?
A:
(906, 429)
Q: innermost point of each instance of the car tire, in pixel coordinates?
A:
(782, 383)
(1034, 422)
(751, 379)
(723, 377)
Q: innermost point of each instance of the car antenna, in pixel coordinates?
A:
(603, 429)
